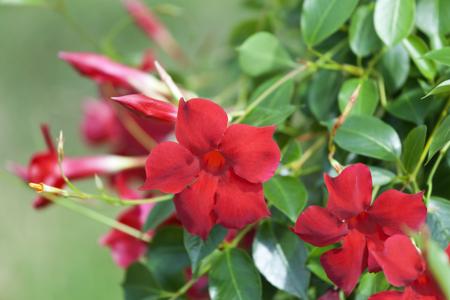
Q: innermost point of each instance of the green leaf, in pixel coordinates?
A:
(288, 194)
(440, 55)
(410, 107)
(370, 284)
(291, 152)
(316, 268)
(417, 48)
(322, 93)
(322, 18)
(198, 249)
(441, 88)
(394, 19)
(433, 17)
(167, 257)
(280, 257)
(381, 176)
(441, 137)
(275, 108)
(367, 100)
(438, 220)
(437, 261)
(159, 213)
(394, 66)
(233, 276)
(413, 146)
(370, 137)
(362, 35)
(262, 53)
(139, 284)
(24, 2)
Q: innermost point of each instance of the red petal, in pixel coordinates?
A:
(400, 260)
(447, 250)
(195, 204)
(149, 107)
(170, 168)
(200, 125)
(389, 295)
(330, 295)
(350, 192)
(394, 211)
(239, 202)
(253, 153)
(344, 265)
(319, 227)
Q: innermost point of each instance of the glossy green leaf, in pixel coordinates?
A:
(370, 284)
(280, 257)
(322, 93)
(234, 276)
(417, 48)
(139, 284)
(198, 249)
(441, 137)
(394, 66)
(316, 268)
(381, 176)
(159, 213)
(410, 107)
(291, 152)
(413, 146)
(433, 17)
(363, 39)
(394, 19)
(441, 88)
(167, 249)
(322, 18)
(440, 55)
(367, 100)
(262, 53)
(370, 137)
(288, 194)
(438, 220)
(439, 266)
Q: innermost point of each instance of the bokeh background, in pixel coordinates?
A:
(54, 254)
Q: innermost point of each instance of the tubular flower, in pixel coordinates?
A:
(351, 219)
(405, 267)
(44, 168)
(215, 170)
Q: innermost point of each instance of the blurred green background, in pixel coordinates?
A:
(54, 254)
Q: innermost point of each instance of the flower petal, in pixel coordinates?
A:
(394, 211)
(344, 265)
(319, 227)
(389, 295)
(330, 295)
(148, 107)
(400, 260)
(350, 192)
(170, 168)
(194, 205)
(200, 125)
(253, 153)
(239, 202)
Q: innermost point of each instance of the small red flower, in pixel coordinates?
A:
(216, 170)
(351, 218)
(404, 266)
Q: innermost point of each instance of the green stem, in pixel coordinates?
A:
(184, 288)
(442, 153)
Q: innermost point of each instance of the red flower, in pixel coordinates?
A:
(405, 267)
(43, 167)
(216, 171)
(350, 218)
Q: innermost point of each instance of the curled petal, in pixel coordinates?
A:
(194, 205)
(200, 125)
(400, 260)
(239, 202)
(149, 107)
(170, 168)
(388, 295)
(350, 192)
(253, 153)
(345, 265)
(395, 211)
(319, 227)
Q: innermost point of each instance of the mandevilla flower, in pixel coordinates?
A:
(215, 170)
(405, 267)
(351, 219)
